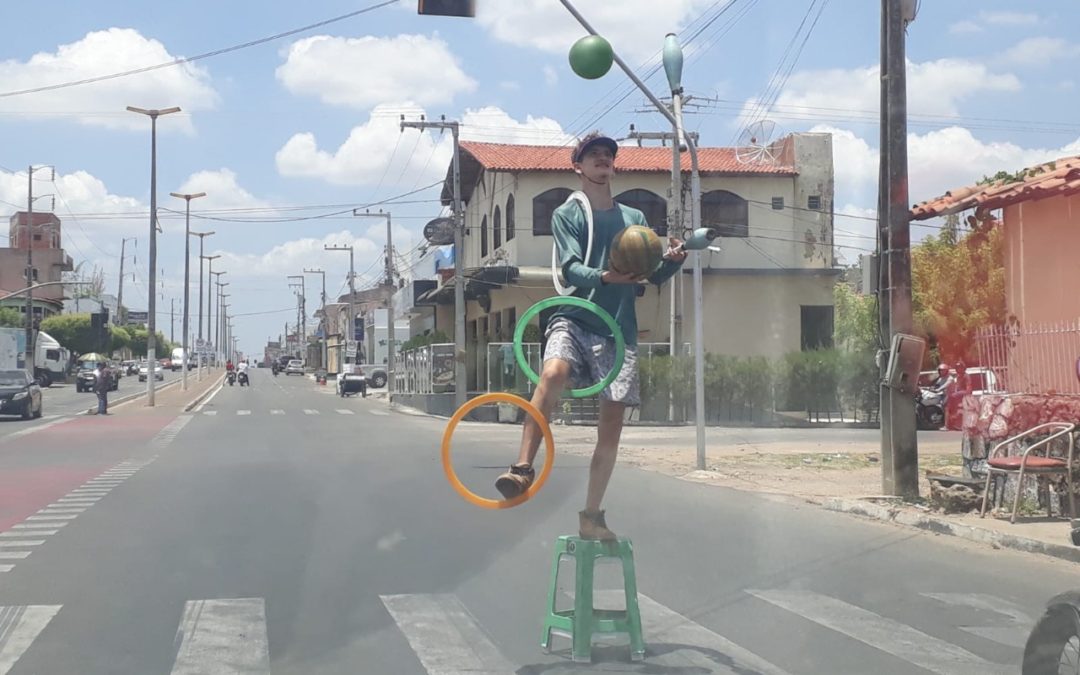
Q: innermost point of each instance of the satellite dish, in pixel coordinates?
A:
(755, 144)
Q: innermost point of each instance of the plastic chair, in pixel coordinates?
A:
(1032, 463)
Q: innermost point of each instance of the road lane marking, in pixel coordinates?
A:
(277, 412)
(666, 626)
(64, 509)
(37, 526)
(209, 412)
(210, 397)
(62, 516)
(342, 411)
(380, 413)
(76, 500)
(41, 427)
(1013, 635)
(892, 637)
(35, 533)
(166, 435)
(14, 555)
(20, 625)
(444, 635)
(243, 412)
(6, 568)
(309, 411)
(222, 636)
(21, 542)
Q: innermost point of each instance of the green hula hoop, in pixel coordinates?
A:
(620, 342)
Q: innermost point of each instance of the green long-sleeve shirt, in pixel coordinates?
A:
(571, 236)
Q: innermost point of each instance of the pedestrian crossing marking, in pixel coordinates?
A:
(37, 526)
(1013, 635)
(380, 413)
(309, 411)
(21, 542)
(342, 411)
(210, 412)
(6, 568)
(243, 412)
(277, 412)
(888, 635)
(20, 625)
(14, 555)
(445, 636)
(222, 636)
(57, 516)
(35, 533)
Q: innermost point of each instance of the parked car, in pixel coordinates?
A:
(19, 394)
(295, 367)
(86, 377)
(144, 372)
(375, 375)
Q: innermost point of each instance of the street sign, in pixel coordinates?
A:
(440, 232)
(137, 317)
(350, 348)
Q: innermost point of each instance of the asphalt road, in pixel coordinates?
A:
(61, 400)
(281, 527)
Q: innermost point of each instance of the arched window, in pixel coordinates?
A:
(509, 217)
(651, 204)
(496, 230)
(727, 212)
(483, 238)
(544, 204)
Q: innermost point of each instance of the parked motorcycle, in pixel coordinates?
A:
(243, 379)
(930, 409)
(230, 377)
(1053, 646)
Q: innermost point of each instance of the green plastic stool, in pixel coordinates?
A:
(583, 621)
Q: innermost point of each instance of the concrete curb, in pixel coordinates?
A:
(129, 397)
(203, 396)
(937, 525)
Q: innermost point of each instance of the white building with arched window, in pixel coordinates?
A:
(768, 291)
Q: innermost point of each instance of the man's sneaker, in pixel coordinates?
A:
(593, 526)
(516, 481)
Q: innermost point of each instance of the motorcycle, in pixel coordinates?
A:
(275, 370)
(230, 377)
(243, 379)
(1054, 642)
(930, 409)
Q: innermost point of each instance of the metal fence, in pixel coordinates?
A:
(1033, 358)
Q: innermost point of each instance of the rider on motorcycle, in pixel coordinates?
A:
(943, 380)
(229, 366)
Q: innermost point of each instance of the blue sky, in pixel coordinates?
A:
(310, 120)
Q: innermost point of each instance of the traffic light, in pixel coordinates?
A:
(465, 8)
(99, 329)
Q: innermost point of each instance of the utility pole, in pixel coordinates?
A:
(151, 342)
(199, 335)
(120, 319)
(219, 349)
(29, 236)
(460, 381)
(351, 337)
(899, 443)
(187, 278)
(212, 338)
(326, 325)
(388, 297)
(301, 309)
(172, 319)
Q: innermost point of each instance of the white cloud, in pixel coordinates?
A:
(102, 103)
(297, 254)
(1005, 18)
(1036, 51)
(854, 232)
(551, 76)
(934, 88)
(361, 72)
(855, 163)
(377, 150)
(965, 28)
(634, 27)
(223, 191)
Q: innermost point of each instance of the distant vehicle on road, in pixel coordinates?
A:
(50, 359)
(19, 394)
(295, 367)
(86, 376)
(144, 372)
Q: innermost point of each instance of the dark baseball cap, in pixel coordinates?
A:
(595, 138)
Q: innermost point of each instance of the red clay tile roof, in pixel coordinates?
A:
(1057, 178)
(722, 161)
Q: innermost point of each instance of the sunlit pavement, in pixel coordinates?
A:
(280, 527)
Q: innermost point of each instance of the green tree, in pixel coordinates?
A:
(138, 340)
(74, 332)
(10, 318)
(958, 286)
(855, 327)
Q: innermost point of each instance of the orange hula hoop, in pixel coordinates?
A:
(549, 450)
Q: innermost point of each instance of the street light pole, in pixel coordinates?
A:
(151, 343)
(351, 336)
(187, 278)
(303, 314)
(210, 314)
(388, 297)
(30, 199)
(199, 334)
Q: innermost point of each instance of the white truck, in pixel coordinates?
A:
(50, 359)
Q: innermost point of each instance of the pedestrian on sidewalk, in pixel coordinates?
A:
(101, 387)
(580, 347)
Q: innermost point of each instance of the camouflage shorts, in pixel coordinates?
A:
(591, 358)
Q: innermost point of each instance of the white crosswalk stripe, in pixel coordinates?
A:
(243, 412)
(210, 412)
(223, 636)
(309, 411)
(893, 637)
(20, 625)
(14, 555)
(380, 413)
(445, 636)
(342, 411)
(277, 412)
(20, 543)
(1019, 622)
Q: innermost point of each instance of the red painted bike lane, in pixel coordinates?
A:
(38, 468)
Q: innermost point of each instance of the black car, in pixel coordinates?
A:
(86, 378)
(19, 394)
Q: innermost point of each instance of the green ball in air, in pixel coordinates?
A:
(591, 57)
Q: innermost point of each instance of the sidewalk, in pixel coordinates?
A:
(172, 399)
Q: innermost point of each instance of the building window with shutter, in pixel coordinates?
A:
(813, 202)
(544, 204)
(778, 203)
(483, 238)
(509, 217)
(496, 230)
(816, 327)
(727, 212)
(651, 204)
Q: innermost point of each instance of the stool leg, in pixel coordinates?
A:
(553, 589)
(583, 605)
(633, 613)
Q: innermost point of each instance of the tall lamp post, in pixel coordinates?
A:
(151, 343)
(199, 334)
(187, 279)
(29, 238)
(351, 337)
(322, 308)
(210, 313)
